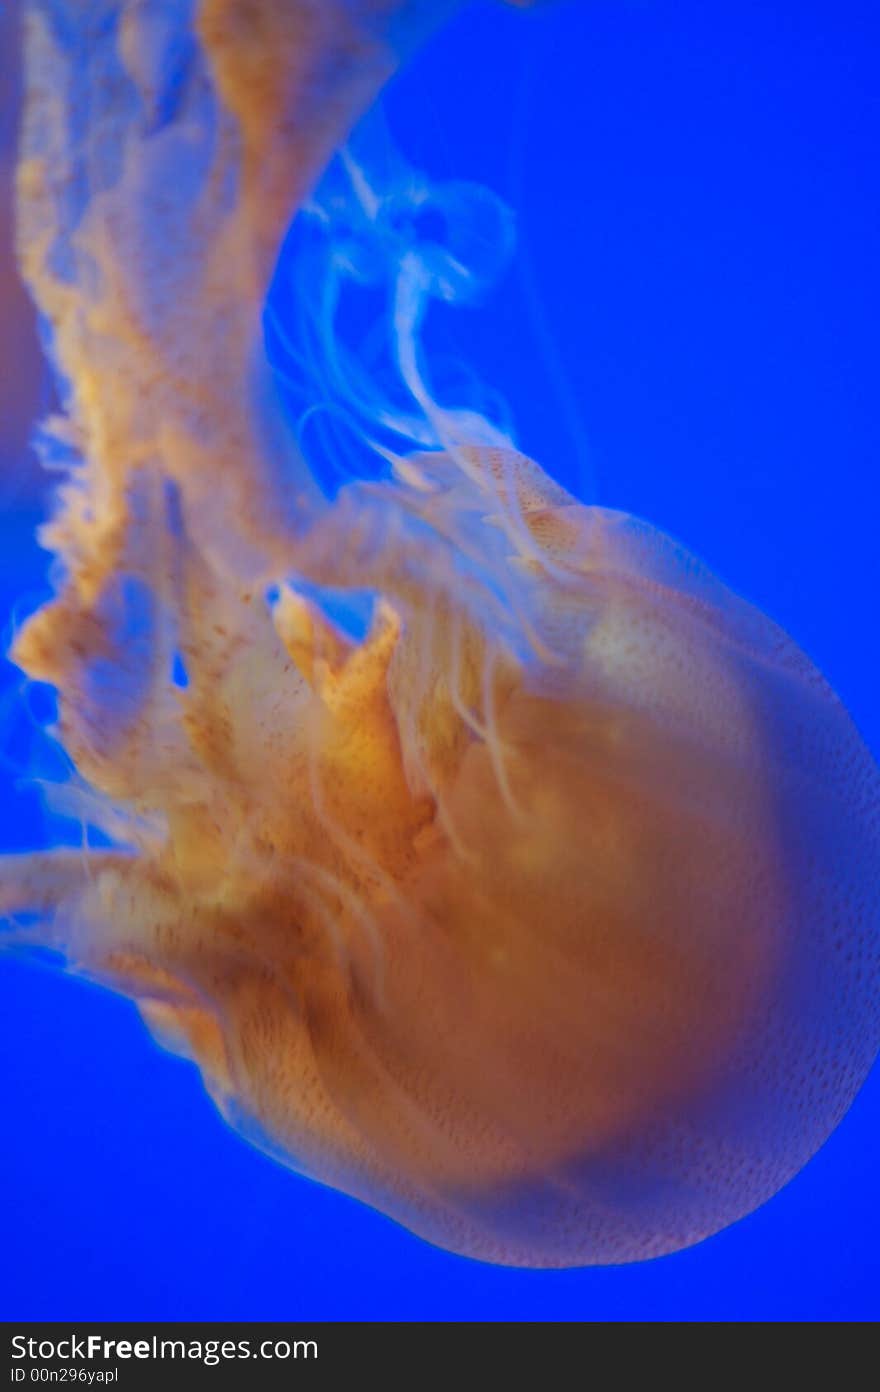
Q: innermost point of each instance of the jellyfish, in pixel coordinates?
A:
(538, 907)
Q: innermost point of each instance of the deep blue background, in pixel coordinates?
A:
(694, 321)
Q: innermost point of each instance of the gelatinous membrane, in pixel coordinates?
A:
(542, 916)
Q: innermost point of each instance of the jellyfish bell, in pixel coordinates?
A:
(614, 981)
(543, 914)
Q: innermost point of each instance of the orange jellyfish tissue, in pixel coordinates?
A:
(543, 915)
